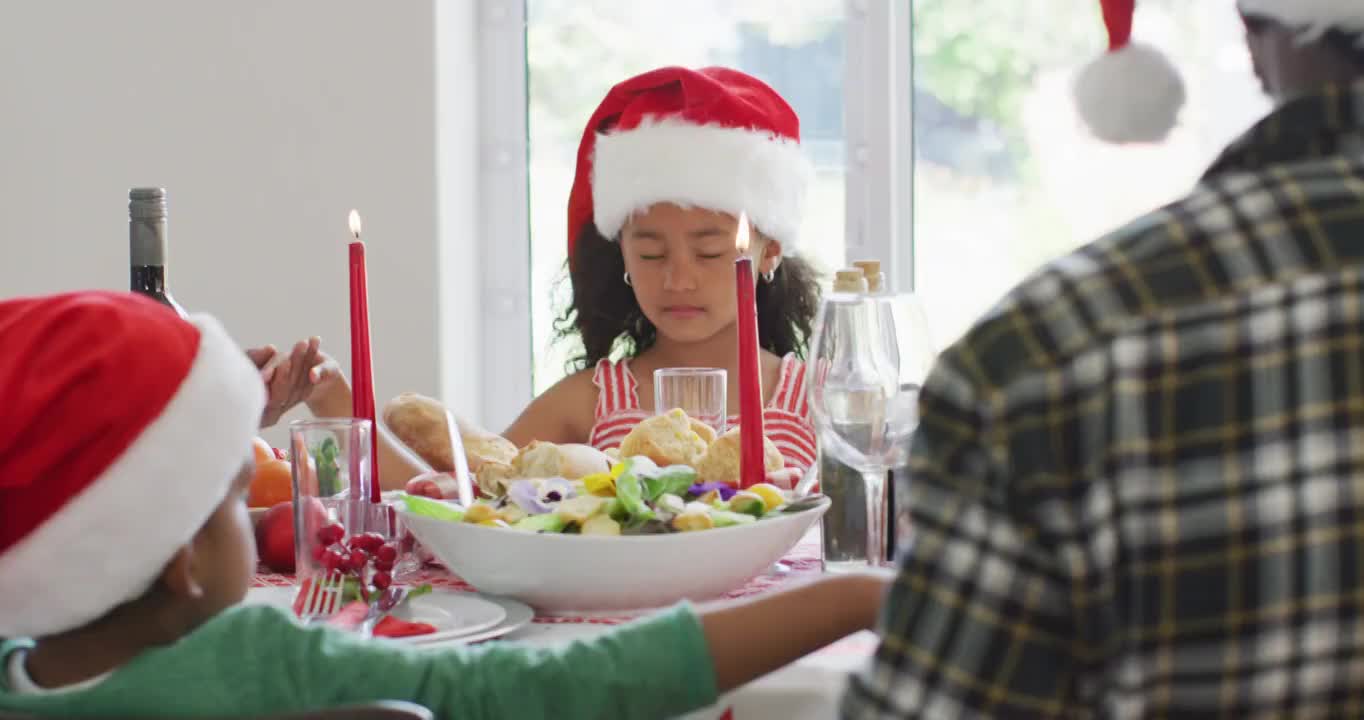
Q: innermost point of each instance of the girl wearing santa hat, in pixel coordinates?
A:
(666, 165)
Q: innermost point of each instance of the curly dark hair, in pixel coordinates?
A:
(604, 310)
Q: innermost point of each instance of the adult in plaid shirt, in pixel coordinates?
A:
(1139, 482)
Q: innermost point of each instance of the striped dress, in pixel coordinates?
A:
(786, 419)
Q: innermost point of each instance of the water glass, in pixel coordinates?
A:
(331, 468)
(699, 392)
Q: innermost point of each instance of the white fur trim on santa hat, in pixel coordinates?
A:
(1313, 16)
(108, 544)
(730, 170)
(1130, 95)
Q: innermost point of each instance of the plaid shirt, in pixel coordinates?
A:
(1139, 482)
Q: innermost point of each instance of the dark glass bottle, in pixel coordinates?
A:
(147, 245)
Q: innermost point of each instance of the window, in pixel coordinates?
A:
(1006, 177)
(1003, 176)
(577, 49)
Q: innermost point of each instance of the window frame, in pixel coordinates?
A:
(878, 112)
(504, 213)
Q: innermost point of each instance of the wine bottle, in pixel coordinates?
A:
(147, 245)
(845, 523)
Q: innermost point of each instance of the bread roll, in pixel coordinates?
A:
(702, 430)
(419, 423)
(572, 462)
(668, 439)
(542, 460)
(494, 477)
(721, 460)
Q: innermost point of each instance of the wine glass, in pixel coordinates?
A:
(916, 353)
(905, 326)
(868, 358)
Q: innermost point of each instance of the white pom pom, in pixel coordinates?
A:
(1130, 95)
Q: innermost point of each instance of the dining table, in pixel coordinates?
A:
(808, 688)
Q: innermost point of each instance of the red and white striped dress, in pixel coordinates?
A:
(786, 419)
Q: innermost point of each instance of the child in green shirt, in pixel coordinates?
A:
(125, 548)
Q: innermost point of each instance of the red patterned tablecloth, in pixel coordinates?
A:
(803, 562)
(808, 688)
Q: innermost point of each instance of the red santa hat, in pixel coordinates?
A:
(1133, 93)
(123, 427)
(712, 138)
(1312, 17)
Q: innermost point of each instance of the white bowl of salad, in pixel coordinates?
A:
(639, 537)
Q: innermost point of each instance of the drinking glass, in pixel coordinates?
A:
(868, 356)
(699, 392)
(904, 314)
(331, 468)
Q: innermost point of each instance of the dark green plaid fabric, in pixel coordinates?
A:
(1139, 482)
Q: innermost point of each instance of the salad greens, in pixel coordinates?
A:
(328, 470)
(636, 497)
(350, 590)
(630, 493)
(432, 508)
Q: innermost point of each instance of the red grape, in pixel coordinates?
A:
(382, 580)
(319, 553)
(335, 560)
(330, 534)
(386, 553)
(383, 565)
(358, 559)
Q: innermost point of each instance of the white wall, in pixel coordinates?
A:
(266, 122)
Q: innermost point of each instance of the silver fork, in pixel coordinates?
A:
(323, 597)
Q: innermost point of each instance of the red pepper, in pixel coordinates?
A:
(394, 628)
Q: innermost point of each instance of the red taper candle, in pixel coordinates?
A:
(751, 467)
(362, 371)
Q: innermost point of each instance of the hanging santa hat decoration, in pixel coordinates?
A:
(1312, 17)
(713, 138)
(1133, 93)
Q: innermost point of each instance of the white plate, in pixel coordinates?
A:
(455, 615)
(519, 615)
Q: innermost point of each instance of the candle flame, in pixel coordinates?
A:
(741, 239)
(355, 224)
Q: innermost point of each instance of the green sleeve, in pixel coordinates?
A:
(251, 661)
(653, 668)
